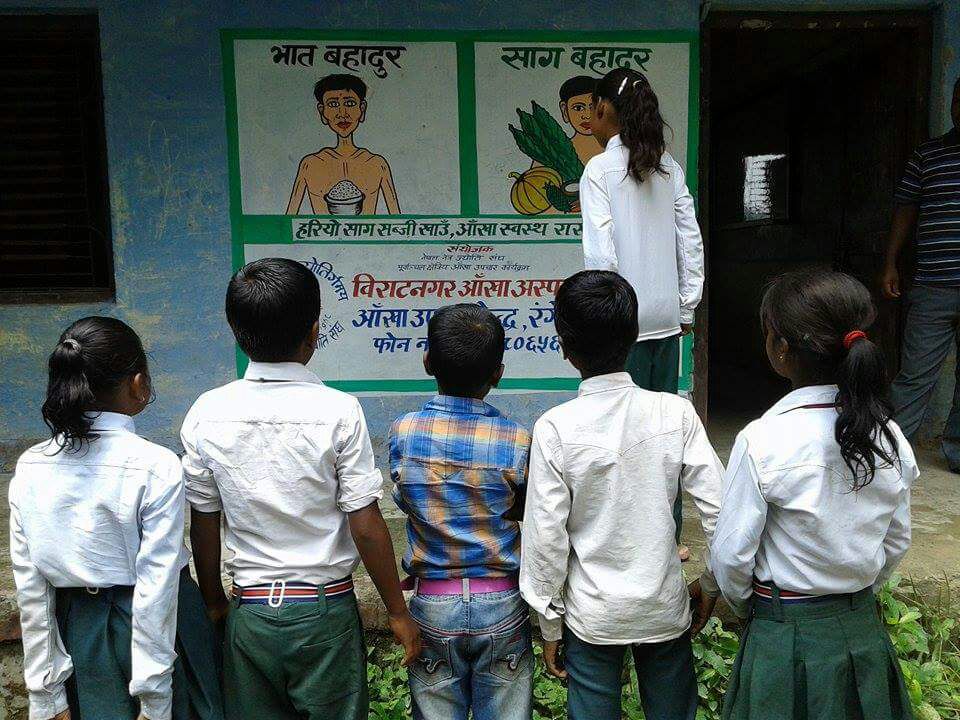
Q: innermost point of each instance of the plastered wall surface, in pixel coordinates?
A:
(168, 177)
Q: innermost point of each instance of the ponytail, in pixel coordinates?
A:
(93, 358)
(641, 124)
(822, 317)
(861, 376)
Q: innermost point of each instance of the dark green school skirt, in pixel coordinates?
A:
(824, 660)
(95, 629)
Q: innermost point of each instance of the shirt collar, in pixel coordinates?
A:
(603, 383)
(101, 421)
(280, 372)
(810, 395)
(455, 405)
(614, 142)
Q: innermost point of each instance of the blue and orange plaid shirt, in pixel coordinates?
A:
(459, 467)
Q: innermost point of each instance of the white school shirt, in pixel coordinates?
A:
(285, 458)
(109, 514)
(598, 551)
(648, 233)
(789, 515)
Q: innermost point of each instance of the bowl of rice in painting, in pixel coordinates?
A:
(344, 198)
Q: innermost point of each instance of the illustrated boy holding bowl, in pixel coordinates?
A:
(345, 179)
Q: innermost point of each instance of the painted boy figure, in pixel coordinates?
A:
(576, 108)
(345, 179)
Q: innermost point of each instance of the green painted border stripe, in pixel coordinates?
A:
(467, 106)
(429, 386)
(639, 35)
(693, 183)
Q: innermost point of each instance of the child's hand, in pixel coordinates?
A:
(407, 633)
(65, 715)
(702, 606)
(218, 611)
(551, 658)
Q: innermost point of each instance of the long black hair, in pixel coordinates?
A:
(641, 124)
(94, 356)
(815, 312)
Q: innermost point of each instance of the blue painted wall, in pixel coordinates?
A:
(167, 162)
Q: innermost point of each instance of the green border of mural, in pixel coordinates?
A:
(263, 229)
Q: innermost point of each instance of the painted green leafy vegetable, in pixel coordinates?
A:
(541, 138)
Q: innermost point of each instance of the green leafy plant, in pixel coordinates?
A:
(924, 628)
(541, 138)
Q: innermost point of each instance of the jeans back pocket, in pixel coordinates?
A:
(433, 666)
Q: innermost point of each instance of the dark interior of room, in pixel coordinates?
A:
(809, 131)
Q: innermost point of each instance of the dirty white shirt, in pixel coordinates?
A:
(789, 515)
(648, 233)
(285, 458)
(598, 550)
(109, 514)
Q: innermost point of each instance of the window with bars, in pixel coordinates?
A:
(55, 241)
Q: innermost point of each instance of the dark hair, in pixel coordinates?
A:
(94, 356)
(271, 306)
(577, 85)
(596, 319)
(641, 124)
(339, 81)
(814, 311)
(465, 344)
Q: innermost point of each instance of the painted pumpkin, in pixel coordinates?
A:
(528, 194)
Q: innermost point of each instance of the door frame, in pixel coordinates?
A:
(918, 20)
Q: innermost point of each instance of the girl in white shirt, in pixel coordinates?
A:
(96, 540)
(816, 515)
(639, 221)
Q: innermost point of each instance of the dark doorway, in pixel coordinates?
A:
(808, 121)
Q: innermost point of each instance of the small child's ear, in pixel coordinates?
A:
(497, 377)
(426, 363)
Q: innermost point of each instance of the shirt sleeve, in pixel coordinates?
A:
(599, 251)
(910, 186)
(736, 540)
(702, 477)
(201, 487)
(897, 541)
(154, 607)
(689, 247)
(360, 482)
(46, 664)
(544, 542)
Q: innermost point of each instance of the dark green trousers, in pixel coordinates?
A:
(829, 660)
(302, 661)
(665, 677)
(655, 365)
(96, 630)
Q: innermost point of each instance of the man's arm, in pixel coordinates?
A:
(299, 189)
(901, 231)
(205, 541)
(373, 542)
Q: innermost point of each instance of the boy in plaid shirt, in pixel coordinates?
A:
(460, 472)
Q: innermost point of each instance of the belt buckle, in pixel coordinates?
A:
(274, 600)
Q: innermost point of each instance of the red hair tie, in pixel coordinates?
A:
(851, 337)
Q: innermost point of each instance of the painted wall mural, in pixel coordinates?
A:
(410, 170)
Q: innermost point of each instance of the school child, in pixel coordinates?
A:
(816, 515)
(288, 463)
(639, 220)
(598, 559)
(113, 625)
(460, 472)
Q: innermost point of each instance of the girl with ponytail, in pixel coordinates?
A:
(107, 604)
(639, 221)
(816, 515)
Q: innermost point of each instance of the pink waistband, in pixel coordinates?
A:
(461, 586)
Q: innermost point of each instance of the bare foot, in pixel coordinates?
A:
(684, 552)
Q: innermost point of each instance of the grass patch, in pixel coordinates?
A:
(924, 626)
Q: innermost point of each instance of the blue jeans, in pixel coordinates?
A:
(476, 656)
(665, 677)
(933, 313)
